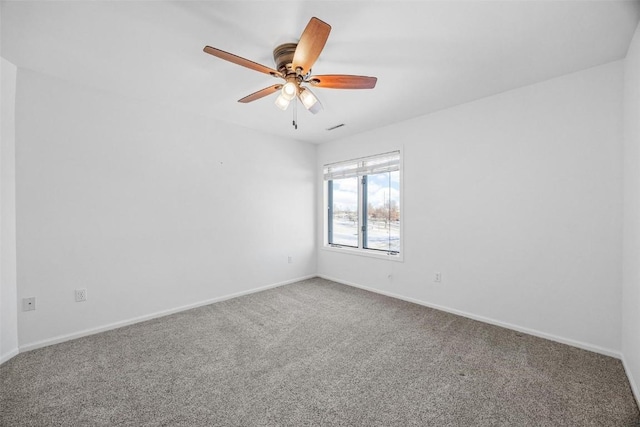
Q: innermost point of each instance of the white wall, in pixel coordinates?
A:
(631, 242)
(516, 199)
(148, 208)
(8, 303)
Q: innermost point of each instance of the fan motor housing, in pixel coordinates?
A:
(283, 57)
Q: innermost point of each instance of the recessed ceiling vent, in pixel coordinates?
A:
(336, 126)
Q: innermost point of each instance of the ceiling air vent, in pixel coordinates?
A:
(336, 126)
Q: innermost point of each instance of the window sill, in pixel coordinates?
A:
(364, 252)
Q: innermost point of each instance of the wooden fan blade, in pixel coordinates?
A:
(261, 93)
(240, 61)
(311, 43)
(343, 81)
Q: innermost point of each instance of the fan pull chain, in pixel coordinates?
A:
(295, 114)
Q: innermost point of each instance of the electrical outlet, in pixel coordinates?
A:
(290, 260)
(437, 277)
(28, 304)
(81, 295)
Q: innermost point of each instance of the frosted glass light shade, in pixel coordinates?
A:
(310, 101)
(307, 98)
(282, 102)
(289, 90)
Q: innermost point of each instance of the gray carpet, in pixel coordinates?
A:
(314, 353)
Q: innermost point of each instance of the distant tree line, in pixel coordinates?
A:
(389, 211)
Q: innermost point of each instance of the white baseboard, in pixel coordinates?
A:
(5, 357)
(632, 382)
(115, 325)
(562, 340)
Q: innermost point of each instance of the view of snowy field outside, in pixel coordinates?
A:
(383, 212)
(379, 236)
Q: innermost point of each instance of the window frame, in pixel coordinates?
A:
(362, 211)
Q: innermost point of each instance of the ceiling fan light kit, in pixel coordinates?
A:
(293, 64)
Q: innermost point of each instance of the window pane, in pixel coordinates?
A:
(383, 212)
(344, 214)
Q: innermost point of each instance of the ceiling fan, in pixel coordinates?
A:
(293, 65)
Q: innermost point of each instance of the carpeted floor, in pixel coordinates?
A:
(314, 353)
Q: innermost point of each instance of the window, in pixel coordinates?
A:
(363, 204)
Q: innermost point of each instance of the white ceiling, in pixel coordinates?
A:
(427, 55)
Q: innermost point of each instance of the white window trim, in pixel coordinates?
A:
(371, 253)
(360, 251)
